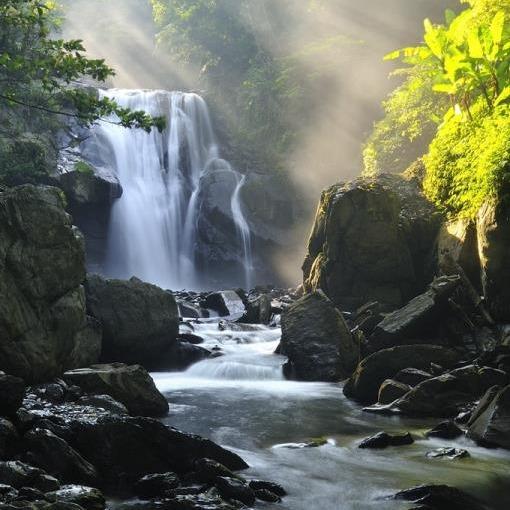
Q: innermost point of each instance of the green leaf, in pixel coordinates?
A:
(504, 96)
(474, 44)
(497, 27)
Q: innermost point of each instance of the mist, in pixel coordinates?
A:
(346, 100)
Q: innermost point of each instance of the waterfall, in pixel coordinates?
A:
(153, 226)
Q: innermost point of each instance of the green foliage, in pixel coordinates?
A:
(466, 61)
(412, 113)
(83, 168)
(38, 91)
(469, 162)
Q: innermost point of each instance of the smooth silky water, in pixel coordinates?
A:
(242, 401)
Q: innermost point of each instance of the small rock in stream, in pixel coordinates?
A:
(383, 440)
(445, 430)
(448, 453)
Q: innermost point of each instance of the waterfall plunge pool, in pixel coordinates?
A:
(242, 401)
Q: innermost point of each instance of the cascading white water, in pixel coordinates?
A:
(153, 226)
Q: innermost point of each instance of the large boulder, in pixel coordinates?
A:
(450, 393)
(317, 340)
(140, 321)
(418, 318)
(490, 423)
(365, 382)
(493, 227)
(130, 385)
(372, 241)
(129, 448)
(42, 267)
(12, 390)
(47, 451)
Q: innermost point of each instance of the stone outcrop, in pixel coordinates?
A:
(418, 318)
(372, 241)
(317, 340)
(490, 423)
(366, 380)
(42, 303)
(140, 321)
(130, 385)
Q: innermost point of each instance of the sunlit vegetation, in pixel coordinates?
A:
(458, 79)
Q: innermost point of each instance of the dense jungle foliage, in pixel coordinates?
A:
(37, 74)
(455, 97)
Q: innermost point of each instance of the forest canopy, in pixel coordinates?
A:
(456, 97)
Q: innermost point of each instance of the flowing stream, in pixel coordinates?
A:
(242, 401)
(153, 226)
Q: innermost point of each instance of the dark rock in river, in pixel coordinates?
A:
(490, 424)
(154, 485)
(125, 448)
(258, 310)
(445, 430)
(51, 453)
(448, 394)
(87, 498)
(17, 474)
(317, 341)
(270, 486)
(227, 303)
(12, 390)
(417, 317)
(140, 320)
(233, 488)
(440, 497)
(372, 241)
(42, 267)
(391, 390)
(105, 402)
(448, 453)
(383, 440)
(9, 439)
(130, 385)
(412, 376)
(364, 384)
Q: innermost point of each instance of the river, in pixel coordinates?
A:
(242, 401)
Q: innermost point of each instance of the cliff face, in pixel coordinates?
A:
(44, 328)
(373, 240)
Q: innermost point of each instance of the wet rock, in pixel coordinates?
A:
(440, 497)
(53, 392)
(189, 310)
(448, 453)
(267, 495)
(31, 494)
(12, 390)
(391, 390)
(130, 385)
(181, 356)
(86, 497)
(412, 376)
(368, 316)
(207, 501)
(275, 488)
(190, 338)
(9, 439)
(132, 447)
(448, 394)
(233, 488)
(445, 430)
(418, 318)
(156, 485)
(139, 320)
(383, 440)
(226, 303)
(42, 267)
(207, 470)
(371, 242)
(51, 453)
(7, 493)
(258, 310)
(317, 341)
(17, 475)
(490, 424)
(104, 402)
(364, 384)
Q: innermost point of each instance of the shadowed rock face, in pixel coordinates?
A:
(372, 241)
(42, 267)
(317, 341)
